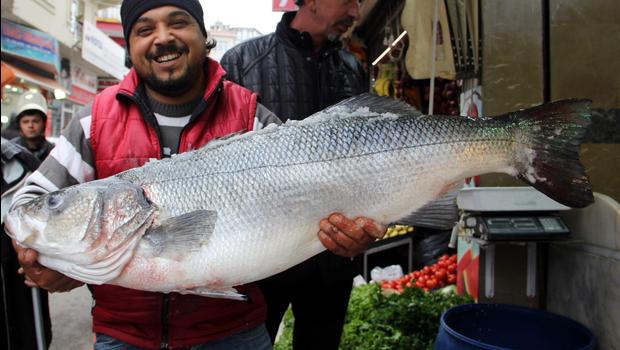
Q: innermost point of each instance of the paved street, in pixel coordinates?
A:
(71, 320)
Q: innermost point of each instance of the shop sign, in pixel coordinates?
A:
(284, 6)
(103, 52)
(30, 43)
(83, 85)
(83, 78)
(81, 96)
(104, 83)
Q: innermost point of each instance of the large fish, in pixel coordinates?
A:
(247, 207)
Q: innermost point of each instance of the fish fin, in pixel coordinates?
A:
(230, 293)
(178, 235)
(547, 157)
(441, 213)
(376, 104)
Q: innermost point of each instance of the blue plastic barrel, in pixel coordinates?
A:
(501, 326)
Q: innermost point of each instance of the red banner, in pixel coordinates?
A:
(284, 6)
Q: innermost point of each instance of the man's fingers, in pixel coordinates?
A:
(371, 227)
(330, 244)
(27, 257)
(349, 227)
(338, 236)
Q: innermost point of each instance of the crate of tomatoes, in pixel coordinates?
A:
(438, 275)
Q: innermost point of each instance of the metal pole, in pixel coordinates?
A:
(38, 318)
(431, 92)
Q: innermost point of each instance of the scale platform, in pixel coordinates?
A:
(511, 214)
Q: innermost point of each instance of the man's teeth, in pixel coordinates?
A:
(166, 58)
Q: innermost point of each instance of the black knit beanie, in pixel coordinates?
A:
(131, 10)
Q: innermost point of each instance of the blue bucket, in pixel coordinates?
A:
(501, 327)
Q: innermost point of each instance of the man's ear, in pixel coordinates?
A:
(312, 5)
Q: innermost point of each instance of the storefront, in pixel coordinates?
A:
(31, 61)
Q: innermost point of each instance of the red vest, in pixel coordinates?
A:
(122, 139)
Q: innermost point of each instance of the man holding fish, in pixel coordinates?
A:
(173, 100)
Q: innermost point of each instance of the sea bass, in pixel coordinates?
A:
(246, 207)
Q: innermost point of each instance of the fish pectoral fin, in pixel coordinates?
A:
(230, 293)
(440, 214)
(178, 235)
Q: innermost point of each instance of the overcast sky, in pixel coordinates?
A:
(242, 13)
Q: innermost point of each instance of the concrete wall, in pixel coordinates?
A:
(512, 71)
(584, 62)
(39, 12)
(584, 51)
(584, 274)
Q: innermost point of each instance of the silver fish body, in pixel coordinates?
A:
(247, 207)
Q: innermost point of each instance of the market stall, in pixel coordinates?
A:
(437, 56)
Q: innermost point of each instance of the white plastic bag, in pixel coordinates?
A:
(389, 273)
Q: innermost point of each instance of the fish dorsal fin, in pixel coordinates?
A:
(366, 104)
(440, 214)
(176, 236)
(376, 104)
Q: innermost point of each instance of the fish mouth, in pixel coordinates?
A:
(9, 225)
(19, 230)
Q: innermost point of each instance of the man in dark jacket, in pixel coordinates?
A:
(17, 321)
(299, 70)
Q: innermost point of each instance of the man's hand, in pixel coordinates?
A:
(37, 275)
(346, 237)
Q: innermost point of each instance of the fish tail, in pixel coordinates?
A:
(547, 150)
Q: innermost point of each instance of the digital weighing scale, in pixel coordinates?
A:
(501, 236)
(510, 214)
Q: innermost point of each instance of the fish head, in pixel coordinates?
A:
(83, 223)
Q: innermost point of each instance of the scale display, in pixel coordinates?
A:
(519, 227)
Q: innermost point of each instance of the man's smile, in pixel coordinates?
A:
(167, 57)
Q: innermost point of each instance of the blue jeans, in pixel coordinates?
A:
(249, 339)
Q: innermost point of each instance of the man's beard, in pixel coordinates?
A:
(172, 87)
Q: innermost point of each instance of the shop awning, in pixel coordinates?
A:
(34, 78)
(7, 75)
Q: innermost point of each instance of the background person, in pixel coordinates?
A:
(299, 70)
(17, 326)
(31, 119)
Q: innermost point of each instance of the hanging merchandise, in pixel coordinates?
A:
(471, 98)
(386, 79)
(417, 20)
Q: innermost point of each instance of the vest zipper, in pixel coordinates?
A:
(164, 321)
(194, 117)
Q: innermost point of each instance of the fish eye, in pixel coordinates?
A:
(54, 201)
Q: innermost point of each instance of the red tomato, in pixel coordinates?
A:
(423, 278)
(426, 269)
(453, 259)
(431, 283)
(440, 275)
(408, 284)
(420, 284)
(416, 274)
(451, 279)
(452, 268)
(444, 257)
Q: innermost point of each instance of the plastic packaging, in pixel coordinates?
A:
(388, 273)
